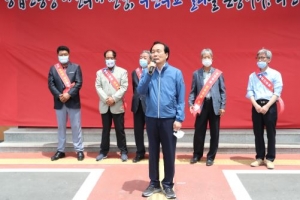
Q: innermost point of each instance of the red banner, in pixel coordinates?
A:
(31, 31)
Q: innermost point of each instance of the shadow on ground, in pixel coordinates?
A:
(242, 159)
(138, 185)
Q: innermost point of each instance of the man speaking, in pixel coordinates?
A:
(164, 88)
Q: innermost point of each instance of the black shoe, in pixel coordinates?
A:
(209, 162)
(194, 160)
(138, 158)
(151, 189)
(170, 194)
(58, 155)
(80, 156)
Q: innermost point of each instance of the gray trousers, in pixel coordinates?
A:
(75, 120)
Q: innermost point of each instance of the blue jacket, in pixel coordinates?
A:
(164, 92)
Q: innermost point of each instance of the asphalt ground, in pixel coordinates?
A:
(30, 176)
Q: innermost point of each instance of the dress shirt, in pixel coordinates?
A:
(257, 89)
(206, 76)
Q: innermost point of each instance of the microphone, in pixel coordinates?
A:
(151, 67)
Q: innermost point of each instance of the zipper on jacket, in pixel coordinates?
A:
(158, 95)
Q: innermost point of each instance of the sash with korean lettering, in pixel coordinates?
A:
(64, 77)
(270, 86)
(138, 72)
(114, 83)
(200, 98)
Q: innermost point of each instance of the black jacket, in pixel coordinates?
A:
(56, 86)
(136, 96)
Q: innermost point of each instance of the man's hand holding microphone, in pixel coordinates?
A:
(151, 67)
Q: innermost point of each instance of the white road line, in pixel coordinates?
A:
(88, 185)
(236, 185)
(85, 189)
(238, 188)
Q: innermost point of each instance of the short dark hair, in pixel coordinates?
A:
(114, 53)
(166, 48)
(62, 48)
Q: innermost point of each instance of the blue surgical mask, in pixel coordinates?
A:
(110, 63)
(63, 59)
(143, 63)
(261, 64)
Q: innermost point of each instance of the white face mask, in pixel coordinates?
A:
(206, 62)
(261, 64)
(110, 63)
(63, 59)
(143, 63)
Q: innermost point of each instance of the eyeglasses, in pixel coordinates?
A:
(109, 58)
(261, 58)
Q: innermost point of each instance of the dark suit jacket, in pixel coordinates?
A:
(217, 91)
(136, 96)
(56, 86)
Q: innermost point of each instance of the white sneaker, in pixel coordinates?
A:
(256, 163)
(270, 164)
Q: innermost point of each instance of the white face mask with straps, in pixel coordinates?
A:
(110, 63)
(206, 62)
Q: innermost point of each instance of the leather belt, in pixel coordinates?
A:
(207, 98)
(262, 101)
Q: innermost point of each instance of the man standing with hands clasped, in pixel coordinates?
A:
(264, 90)
(111, 86)
(64, 82)
(207, 101)
(164, 88)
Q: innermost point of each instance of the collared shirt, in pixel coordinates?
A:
(206, 76)
(159, 71)
(110, 69)
(257, 89)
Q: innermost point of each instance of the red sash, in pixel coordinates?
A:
(63, 75)
(138, 72)
(269, 85)
(199, 101)
(114, 82)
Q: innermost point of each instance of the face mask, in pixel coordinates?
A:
(206, 62)
(63, 59)
(110, 63)
(261, 64)
(143, 63)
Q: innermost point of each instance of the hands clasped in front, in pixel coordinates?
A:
(110, 101)
(262, 109)
(64, 97)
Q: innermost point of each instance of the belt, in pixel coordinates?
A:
(207, 98)
(262, 101)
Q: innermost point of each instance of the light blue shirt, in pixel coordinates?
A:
(206, 76)
(257, 89)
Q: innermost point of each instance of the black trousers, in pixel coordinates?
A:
(268, 121)
(160, 131)
(119, 128)
(206, 116)
(139, 124)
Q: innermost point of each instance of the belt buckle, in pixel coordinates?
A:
(263, 101)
